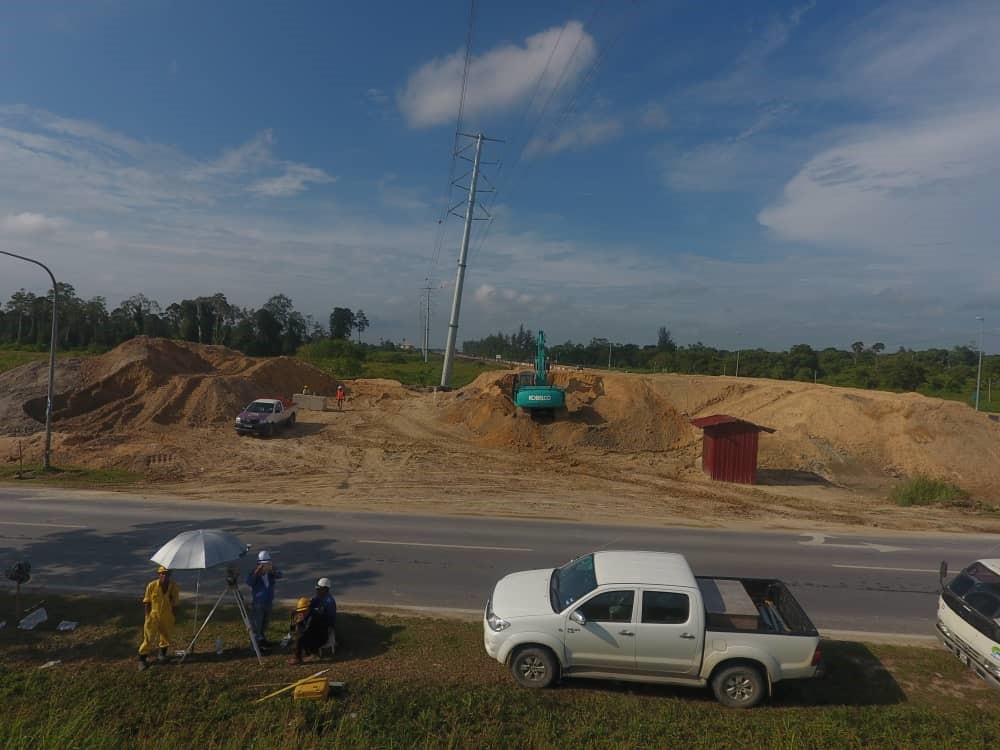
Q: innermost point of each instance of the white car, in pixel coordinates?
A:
(645, 617)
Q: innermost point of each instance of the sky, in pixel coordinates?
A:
(745, 174)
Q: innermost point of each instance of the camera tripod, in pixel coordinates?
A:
(233, 589)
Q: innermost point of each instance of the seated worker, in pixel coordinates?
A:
(324, 599)
(309, 628)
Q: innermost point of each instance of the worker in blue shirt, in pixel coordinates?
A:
(324, 601)
(261, 582)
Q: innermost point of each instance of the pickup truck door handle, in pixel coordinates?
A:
(625, 632)
(572, 630)
(688, 636)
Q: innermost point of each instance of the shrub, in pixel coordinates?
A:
(922, 490)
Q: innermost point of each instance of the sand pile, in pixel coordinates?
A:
(841, 434)
(613, 414)
(148, 382)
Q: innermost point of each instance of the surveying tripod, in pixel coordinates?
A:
(233, 589)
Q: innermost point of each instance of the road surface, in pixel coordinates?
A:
(89, 541)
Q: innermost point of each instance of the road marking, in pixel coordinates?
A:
(48, 525)
(444, 546)
(875, 567)
(819, 540)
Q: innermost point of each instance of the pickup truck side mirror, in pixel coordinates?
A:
(943, 573)
(577, 617)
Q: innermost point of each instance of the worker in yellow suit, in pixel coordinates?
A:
(161, 597)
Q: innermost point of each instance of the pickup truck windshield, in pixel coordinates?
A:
(258, 408)
(573, 580)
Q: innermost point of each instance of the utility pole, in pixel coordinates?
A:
(610, 347)
(425, 300)
(979, 373)
(456, 303)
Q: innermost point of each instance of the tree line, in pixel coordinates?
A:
(932, 371)
(87, 324)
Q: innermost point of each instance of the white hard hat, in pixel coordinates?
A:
(323, 583)
(263, 556)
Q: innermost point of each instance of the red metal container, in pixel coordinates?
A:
(729, 448)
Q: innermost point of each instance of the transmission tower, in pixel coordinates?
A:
(470, 210)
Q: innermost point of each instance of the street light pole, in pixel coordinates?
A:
(979, 373)
(738, 345)
(46, 457)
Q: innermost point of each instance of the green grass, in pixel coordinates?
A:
(409, 368)
(424, 683)
(11, 358)
(68, 476)
(921, 490)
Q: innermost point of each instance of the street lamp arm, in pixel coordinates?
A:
(47, 456)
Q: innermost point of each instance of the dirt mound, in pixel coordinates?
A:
(30, 383)
(842, 435)
(613, 414)
(146, 382)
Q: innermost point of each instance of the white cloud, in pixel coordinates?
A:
(920, 174)
(293, 181)
(898, 186)
(586, 134)
(26, 223)
(499, 80)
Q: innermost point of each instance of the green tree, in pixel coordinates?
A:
(341, 323)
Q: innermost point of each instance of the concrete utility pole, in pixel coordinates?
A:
(47, 456)
(739, 345)
(456, 303)
(426, 309)
(979, 374)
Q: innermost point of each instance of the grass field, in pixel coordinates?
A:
(11, 358)
(67, 476)
(423, 683)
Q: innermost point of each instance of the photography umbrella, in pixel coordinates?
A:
(199, 550)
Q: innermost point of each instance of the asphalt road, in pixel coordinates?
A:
(95, 542)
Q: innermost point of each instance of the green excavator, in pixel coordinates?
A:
(532, 391)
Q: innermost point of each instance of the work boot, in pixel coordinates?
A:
(162, 656)
(143, 664)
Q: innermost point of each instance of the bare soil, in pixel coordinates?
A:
(625, 451)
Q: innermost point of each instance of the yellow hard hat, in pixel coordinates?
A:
(302, 605)
(162, 569)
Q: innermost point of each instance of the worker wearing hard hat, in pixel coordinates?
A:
(340, 397)
(261, 582)
(308, 628)
(162, 595)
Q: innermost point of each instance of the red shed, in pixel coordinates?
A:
(729, 448)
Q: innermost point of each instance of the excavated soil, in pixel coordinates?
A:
(624, 450)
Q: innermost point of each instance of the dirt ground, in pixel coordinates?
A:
(624, 451)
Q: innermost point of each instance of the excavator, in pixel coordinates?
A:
(532, 392)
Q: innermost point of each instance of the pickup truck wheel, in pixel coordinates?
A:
(739, 686)
(533, 667)
(291, 421)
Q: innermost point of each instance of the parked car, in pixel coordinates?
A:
(968, 618)
(264, 416)
(645, 617)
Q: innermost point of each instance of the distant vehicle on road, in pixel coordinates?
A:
(645, 617)
(968, 619)
(265, 416)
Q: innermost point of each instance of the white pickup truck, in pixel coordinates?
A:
(645, 617)
(265, 416)
(968, 618)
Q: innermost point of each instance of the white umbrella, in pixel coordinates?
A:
(198, 550)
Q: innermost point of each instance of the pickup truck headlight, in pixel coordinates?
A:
(238, 420)
(496, 622)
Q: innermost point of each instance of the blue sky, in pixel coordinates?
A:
(746, 174)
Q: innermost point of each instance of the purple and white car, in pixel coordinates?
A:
(264, 416)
